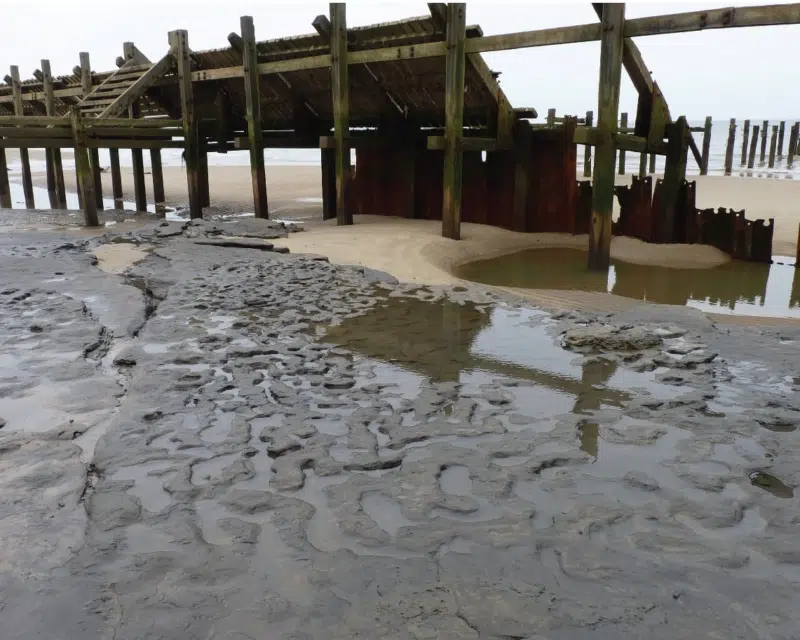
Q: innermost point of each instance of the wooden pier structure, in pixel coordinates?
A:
(433, 133)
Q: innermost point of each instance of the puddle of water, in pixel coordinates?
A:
(220, 427)
(386, 513)
(116, 258)
(456, 481)
(148, 486)
(740, 288)
(770, 483)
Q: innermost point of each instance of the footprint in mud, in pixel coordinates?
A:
(770, 483)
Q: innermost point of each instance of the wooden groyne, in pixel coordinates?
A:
(417, 89)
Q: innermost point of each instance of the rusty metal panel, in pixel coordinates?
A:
(553, 188)
(583, 207)
(761, 242)
(636, 209)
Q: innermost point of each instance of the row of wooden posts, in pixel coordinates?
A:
(749, 145)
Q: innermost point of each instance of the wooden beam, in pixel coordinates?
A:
(24, 157)
(140, 87)
(137, 160)
(144, 123)
(341, 110)
(94, 154)
(612, 22)
(328, 174)
(84, 170)
(455, 63)
(51, 167)
(179, 47)
(157, 174)
(439, 143)
(116, 179)
(674, 178)
(707, 144)
(253, 116)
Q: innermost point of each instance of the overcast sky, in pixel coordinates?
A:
(743, 73)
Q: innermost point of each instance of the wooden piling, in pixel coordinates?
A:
(706, 146)
(674, 176)
(764, 131)
(94, 154)
(84, 169)
(753, 147)
(729, 147)
(793, 133)
(781, 131)
(652, 168)
(202, 173)
(587, 149)
(773, 145)
(116, 179)
(137, 160)
(179, 44)
(341, 110)
(454, 118)
(328, 166)
(551, 117)
(612, 25)
(157, 174)
(5, 187)
(253, 110)
(623, 123)
(24, 157)
(745, 139)
(56, 190)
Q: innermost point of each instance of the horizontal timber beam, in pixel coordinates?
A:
(34, 121)
(436, 143)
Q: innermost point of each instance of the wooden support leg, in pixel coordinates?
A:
(5, 188)
(745, 139)
(642, 164)
(652, 168)
(139, 187)
(61, 189)
(773, 145)
(674, 177)
(77, 184)
(623, 123)
(729, 147)
(84, 169)
(94, 156)
(52, 196)
(781, 133)
(706, 146)
(253, 116)
(789, 155)
(751, 161)
(454, 119)
(27, 179)
(179, 45)
(158, 180)
(202, 174)
(613, 21)
(587, 149)
(116, 179)
(341, 110)
(764, 132)
(328, 162)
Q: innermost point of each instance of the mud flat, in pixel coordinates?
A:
(225, 441)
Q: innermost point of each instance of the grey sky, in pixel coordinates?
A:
(745, 73)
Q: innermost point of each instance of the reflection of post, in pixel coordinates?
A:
(594, 371)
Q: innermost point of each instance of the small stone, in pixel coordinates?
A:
(36, 328)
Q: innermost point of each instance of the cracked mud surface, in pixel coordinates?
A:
(225, 442)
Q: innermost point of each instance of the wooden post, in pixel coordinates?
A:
(706, 146)
(551, 117)
(642, 164)
(24, 157)
(587, 149)
(674, 176)
(158, 180)
(454, 119)
(781, 132)
(328, 166)
(522, 181)
(253, 109)
(612, 24)
(341, 110)
(753, 146)
(94, 154)
(745, 139)
(55, 171)
(116, 178)
(137, 160)
(652, 168)
(202, 173)
(729, 148)
(623, 123)
(84, 170)
(764, 129)
(792, 144)
(773, 145)
(5, 187)
(179, 44)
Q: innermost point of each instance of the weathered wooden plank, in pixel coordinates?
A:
(745, 139)
(587, 150)
(674, 178)
(35, 121)
(455, 63)
(143, 123)
(623, 121)
(707, 145)
(94, 156)
(793, 133)
(341, 109)
(253, 116)
(137, 160)
(84, 171)
(139, 87)
(116, 179)
(5, 187)
(753, 147)
(328, 173)
(764, 132)
(128, 143)
(24, 157)
(179, 47)
(589, 136)
(157, 174)
(133, 132)
(439, 143)
(773, 145)
(781, 132)
(729, 147)
(612, 22)
(39, 96)
(37, 132)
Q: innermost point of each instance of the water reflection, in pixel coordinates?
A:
(737, 287)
